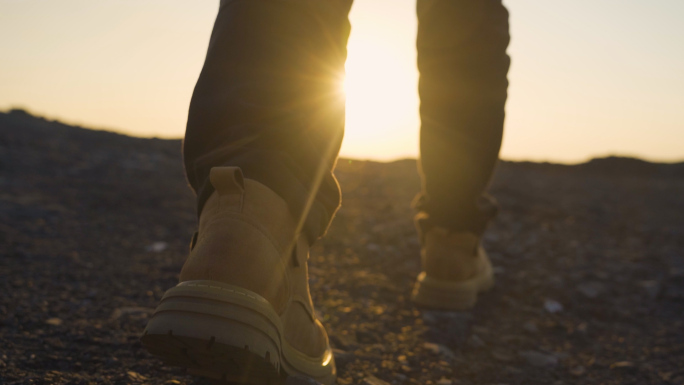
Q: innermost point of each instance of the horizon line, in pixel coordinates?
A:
(76, 124)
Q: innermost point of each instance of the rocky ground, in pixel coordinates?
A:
(589, 260)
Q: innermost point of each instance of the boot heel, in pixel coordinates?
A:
(448, 295)
(218, 331)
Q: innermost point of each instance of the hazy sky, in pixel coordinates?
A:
(589, 77)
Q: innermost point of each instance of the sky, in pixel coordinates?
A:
(588, 77)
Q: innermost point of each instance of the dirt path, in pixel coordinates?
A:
(590, 269)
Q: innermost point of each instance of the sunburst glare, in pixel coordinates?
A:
(382, 104)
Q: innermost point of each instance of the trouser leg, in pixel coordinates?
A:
(463, 87)
(268, 100)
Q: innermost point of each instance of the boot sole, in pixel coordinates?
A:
(451, 295)
(227, 333)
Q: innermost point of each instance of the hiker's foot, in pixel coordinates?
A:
(455, 269)
(242, 310)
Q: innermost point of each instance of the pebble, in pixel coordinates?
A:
(342, 357)
(54, 321)
(432, 317)
(444, 381)
(530, 327)
(578, 370)
(157, 247)
(591, 289)
(373, 247)
(553, 306)
(133, 376)
(621, 364)
(434, 348)
(372, 380)
(344, 341)
(652, 288)
(502, 356)
(475, 342)
(366, 337)
(440, 349)
(131, 311)
(538, 359)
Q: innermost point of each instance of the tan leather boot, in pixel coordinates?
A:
(455, 269)
(242, 311)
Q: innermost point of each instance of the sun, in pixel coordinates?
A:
(382, 101)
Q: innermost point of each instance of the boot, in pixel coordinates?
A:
(455, 269)
(242, 311)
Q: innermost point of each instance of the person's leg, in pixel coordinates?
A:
(268, 100)
(463, 66)
(264, 128)
(463, 87)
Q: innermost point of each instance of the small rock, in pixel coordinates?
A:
(501, 356)
(652, 288)
(440, 350)
(514, 371)
(373, 247)
(444, 381)
(54, 342)
(131, 311)
(451, 317)
(591, 289)
(434, 348)
(553, 306)
(475, 342)
(344, 341)
(400, 377)
(530, 327)
(372, 380)
(172, 382)
(54, 321)
(342, 358)
(133, 376)
(578, 370)
(157, 247)
(366, 337)
(538, 359)
(621, 364)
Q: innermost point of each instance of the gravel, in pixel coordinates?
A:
(590, 268)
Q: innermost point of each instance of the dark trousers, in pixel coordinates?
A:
(268, 100)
